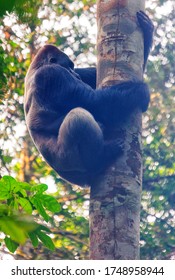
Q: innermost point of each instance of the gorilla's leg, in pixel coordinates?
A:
(81, 133)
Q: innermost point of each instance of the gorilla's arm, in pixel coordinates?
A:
(87, 75)
(57, 90)
(114, 104)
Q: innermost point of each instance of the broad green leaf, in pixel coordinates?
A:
(47, 241)
(9, 181)
(25, 204)
(39, 207)
(7, 159)
(44, 228)
(34, 239)
(8, 186)
(4, 193)
(51, 203)
(40, 188)
(11, 245)
(12, 228)
(25, 186)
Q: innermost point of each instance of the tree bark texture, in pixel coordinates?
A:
(115, 196)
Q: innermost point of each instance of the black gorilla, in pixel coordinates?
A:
(65, 114)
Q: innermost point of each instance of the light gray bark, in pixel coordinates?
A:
(115, 196)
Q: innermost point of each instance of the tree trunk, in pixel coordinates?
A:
(115, 196)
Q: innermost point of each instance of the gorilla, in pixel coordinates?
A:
(66, 114)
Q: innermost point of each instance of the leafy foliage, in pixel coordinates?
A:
(18, 200)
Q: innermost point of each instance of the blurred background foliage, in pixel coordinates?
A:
(71, 25)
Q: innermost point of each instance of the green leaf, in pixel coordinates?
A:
(39, 207)
(6, 186)
(7, 159)
(25, 204)
(51, 203)
(12, 228)
(40, 188)
(23, 192)
(8, 181)
(11, 245)
(25, 186)
(42, 227)
(47, 241)
(34, 239)
(9, 186)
